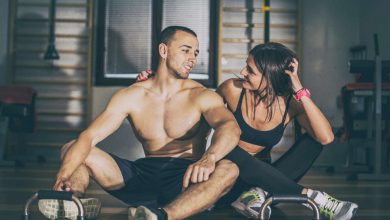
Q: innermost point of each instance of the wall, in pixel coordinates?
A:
(122, 142)
(329, 28)
(375, 18)
(3, 39)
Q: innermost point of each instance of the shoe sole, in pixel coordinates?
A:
(54, 209)
(256, 215)
(348, 216)
(243, 210)
(240, 208)
(143, 213)
(352, 212)
(131, 213)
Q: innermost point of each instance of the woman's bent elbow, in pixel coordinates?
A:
(329, 139)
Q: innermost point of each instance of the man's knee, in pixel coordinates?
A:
(229, 169)
(66, 147)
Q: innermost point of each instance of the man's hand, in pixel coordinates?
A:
(62, 183)
(199, 171)
(144, 75)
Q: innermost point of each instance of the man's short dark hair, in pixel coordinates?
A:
(167, 34)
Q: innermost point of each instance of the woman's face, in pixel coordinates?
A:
(252, 76)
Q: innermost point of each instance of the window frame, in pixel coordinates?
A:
(100, 78)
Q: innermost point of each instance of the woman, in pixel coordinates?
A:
(269, 96)
(264, 101)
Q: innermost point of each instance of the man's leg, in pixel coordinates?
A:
(100, 166)
(199, 197)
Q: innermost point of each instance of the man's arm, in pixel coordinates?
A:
(225, 138)
(226, 130)
(105, 124)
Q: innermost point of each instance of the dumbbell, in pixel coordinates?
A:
(289, 199)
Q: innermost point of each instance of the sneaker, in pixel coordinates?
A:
(249, 203)
(333, 209)
(61, 209)
(141, 213)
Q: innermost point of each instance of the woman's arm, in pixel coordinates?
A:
(307, 113)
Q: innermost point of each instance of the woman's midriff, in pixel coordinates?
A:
(250, 148)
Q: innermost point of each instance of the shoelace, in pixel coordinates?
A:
(253, 195)
(331, 205)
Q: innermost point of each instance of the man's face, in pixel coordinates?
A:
(182, 54)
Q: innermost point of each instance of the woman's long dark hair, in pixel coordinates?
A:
(272, 59)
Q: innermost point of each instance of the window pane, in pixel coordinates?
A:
(195, 15)
(128, 37)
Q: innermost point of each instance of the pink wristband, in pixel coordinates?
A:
(301, 93)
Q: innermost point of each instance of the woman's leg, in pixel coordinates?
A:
(298, 160)
(258, 173)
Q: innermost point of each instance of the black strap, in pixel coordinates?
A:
(240, 101)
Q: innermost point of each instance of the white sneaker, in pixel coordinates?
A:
(249, 203)
(62, 209)
(141, 213)
(331, 208)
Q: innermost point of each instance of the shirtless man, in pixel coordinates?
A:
(171, 116)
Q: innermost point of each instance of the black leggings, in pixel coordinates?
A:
(279, 177)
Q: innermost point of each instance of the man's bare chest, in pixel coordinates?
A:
(170, 119)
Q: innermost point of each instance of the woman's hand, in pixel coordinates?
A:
(293, 73)
(144, 75)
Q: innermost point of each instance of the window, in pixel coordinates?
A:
(127, 37)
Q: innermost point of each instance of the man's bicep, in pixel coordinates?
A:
(217, 116)
(109, 120)
(104, 125)
(214, 110)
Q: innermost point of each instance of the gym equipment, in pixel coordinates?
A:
(49, 194)
(17, 114)
(51, 51)
(288, 199)
(370, 87)
(266, 10)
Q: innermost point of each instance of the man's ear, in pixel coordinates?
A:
(163, 50)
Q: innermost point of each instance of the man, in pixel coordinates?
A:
(170, 115)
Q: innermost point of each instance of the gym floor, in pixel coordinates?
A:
(18, 184)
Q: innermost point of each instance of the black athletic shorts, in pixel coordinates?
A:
(150, 181)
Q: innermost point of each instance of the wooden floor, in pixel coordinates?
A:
(373, 197)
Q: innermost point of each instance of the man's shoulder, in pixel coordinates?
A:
(194, 87)
(192, 84)
(231, 84)
(131, 91)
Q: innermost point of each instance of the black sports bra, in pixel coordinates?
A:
(268, 138)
